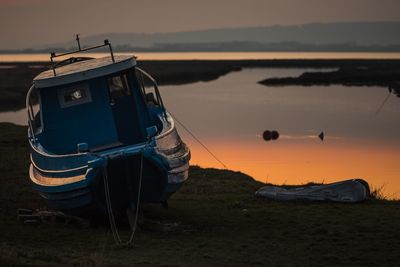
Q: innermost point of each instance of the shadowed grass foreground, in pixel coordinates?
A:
(214, 220)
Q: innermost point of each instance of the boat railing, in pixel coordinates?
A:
(170, 129)
(29, 110)
(158, 95)
(51, 155)
(54, 55)
(78, 168)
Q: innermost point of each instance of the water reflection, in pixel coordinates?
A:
(231, 114)
(18, 117)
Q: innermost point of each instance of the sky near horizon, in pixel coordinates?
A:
(26, 23)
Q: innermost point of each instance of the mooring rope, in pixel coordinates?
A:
(383, 103)
(113, 225)
(201, 143)
(134, 227)
(110, 212)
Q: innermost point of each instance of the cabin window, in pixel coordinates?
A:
(75, 95)
(118, 86)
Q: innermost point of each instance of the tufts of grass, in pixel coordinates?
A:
(377, 193)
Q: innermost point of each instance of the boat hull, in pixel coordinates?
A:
(161, 168)
(123, 177)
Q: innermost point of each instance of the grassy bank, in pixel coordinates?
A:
(214, 220)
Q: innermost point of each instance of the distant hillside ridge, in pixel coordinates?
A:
(340, 37)
(358, 33)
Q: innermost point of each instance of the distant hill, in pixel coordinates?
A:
(344, 36)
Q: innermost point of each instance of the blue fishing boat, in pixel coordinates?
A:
(102, 139)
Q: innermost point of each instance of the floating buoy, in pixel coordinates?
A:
(274, 135)
(270, 135)
(267, 135)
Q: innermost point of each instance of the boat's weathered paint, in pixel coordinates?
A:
(87, 131)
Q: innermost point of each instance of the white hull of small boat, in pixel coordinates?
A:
(349, 191)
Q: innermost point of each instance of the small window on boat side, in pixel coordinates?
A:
(74, 95)
(118, 86)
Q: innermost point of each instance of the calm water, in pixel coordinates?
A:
(230, 114)
(214, 56)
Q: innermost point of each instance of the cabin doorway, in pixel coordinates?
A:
(124, 110)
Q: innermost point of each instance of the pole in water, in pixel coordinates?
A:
(321, 136)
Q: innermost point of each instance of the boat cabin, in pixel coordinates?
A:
(93, 105)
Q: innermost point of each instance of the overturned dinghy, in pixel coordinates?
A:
(349, 191)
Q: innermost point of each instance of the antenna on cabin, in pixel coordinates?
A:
(77, 40)
(106, 42)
